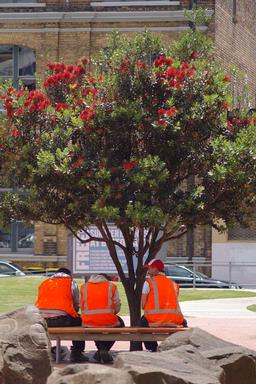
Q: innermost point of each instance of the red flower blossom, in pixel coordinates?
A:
(124, 67)
(185, 65)
(194, 55)
(15, 132)
(141, 64)
(18, 112)
(172, 83)
(78, 162)
(227, 78)
(89, 91)
(171, 72)
(179, 84)
(190, 73)
(87, 114)
(102, 165)
(168, 112)
(127, 166)
(113, 169)
(180, 74)
(162, 60)
(162, 123)
(88, 129)
(225, 106)
(60, 106)
(230, 126)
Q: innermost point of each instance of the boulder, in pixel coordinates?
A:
(24, 347)
(194, 336)
(89, 374)
(185, 366)
(238, 363)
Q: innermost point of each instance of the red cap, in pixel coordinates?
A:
(155, 263)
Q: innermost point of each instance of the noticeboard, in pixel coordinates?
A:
(94, 257)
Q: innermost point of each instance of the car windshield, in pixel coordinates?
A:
(202, 275)
(175, 270)
(16, 266)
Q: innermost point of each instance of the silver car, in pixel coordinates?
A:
(8, 268)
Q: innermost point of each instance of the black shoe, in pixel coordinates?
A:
(105, 357)
(78, 357)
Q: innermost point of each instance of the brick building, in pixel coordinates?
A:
(34, 32)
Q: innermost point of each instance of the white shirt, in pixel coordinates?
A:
(146, 286)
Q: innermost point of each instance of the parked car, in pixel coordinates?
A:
(184, 276)
(10, 269)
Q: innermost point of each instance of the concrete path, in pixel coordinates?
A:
(220, 308)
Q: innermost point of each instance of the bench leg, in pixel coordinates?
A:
(58, 349)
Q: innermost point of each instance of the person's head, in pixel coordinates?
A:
(64, 270)
(107, 277)
(154, 267)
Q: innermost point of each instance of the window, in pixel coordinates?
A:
(6, 270)
(173, 270)
(17, 64)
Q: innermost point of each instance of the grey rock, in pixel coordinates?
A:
(89, 374)
(182, 367)
(194, 336)
(24, 347)
(238, 363)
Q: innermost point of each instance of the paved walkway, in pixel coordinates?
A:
(220, 308)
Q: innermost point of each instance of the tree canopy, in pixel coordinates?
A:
(116, 141)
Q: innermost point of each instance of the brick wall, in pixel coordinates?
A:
(200, 3)
(236, 43)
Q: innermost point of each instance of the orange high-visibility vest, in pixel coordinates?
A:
(162, 306)
(55, 293)
(97, 305)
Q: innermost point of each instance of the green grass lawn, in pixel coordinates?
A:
(252, 307)
(16, 292)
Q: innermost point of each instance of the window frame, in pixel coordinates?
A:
(16, 78)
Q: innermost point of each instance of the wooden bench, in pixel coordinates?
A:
(103, 334)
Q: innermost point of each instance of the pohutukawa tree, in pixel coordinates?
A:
(117, 144)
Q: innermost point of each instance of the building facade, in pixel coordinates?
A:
(34, 32)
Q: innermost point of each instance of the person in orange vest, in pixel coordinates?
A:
(58, 303)
(160, 301)
(100, 303)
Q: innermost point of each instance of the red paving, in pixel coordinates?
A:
(237, 331)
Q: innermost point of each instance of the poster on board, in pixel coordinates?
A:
(93, 257)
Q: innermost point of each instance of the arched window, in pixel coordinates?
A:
(17, 64)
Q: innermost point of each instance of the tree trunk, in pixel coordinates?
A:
(135, 316)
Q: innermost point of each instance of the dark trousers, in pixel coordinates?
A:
(152, 345)
(149, 345)
(68, 321)
(107, 345)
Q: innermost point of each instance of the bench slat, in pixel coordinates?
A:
(126, 330)
(111, 337)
